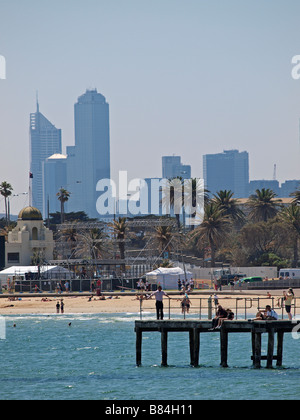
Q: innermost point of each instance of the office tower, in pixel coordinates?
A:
(289, 187)
(259, 184)
(54, 178)
(227, 171)
(89, 160)
(172, 168)
(45, 140)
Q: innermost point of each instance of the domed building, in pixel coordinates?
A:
(29, 239)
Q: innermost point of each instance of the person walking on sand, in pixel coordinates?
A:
(62, 307)
(159, 294)
(288, 298)
(57, 307)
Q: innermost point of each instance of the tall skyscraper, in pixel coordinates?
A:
(54, 178)
(89, 160)
(45, 140)
(173, 168)
(227, 171)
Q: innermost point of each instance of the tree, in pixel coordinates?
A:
(263, 205)
(173, 197)
(63, 196)
(6, 190)
(296, 195)
(212, 230)
(90, 243)
(119, 228)
(225, 201)
(291, 217)
(163, 237)
(196, 195)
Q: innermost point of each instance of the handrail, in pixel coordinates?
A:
(199, 305)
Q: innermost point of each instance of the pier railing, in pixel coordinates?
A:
(202, 307)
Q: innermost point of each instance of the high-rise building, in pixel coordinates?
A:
(227, 171)
(89, 160)
(259, 184)
(45, 140)
(288, 187)
(173, 168)
(54, 178)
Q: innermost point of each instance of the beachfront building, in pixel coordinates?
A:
(30, 242)
(227, 171)
(45, 140)
(89, 160)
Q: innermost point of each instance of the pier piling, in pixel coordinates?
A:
(195, 328)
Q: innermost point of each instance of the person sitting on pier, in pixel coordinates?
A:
(267, 314)
(270, 314)
(220, 314)
(230, 317)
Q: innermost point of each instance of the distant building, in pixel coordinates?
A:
(289, 187)
(227, 171)
(259, 184)
(89, 160)
(54, 170)
(45, 140)
(173, 168)
(29, 239)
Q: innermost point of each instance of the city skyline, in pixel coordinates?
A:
(187, 79)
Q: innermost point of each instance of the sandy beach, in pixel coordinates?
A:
(131, 304)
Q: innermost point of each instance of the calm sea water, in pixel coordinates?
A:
(94, 358)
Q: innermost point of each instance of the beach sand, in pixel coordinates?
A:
(130, 304)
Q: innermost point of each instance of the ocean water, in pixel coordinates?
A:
(45, 358)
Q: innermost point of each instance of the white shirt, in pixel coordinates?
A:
(159, 295)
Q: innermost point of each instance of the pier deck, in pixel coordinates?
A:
(195, 328)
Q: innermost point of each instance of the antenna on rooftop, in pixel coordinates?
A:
(274, 172)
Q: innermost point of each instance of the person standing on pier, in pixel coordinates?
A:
(288, 298)
(159, 294)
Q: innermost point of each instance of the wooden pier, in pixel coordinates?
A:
(195, 328)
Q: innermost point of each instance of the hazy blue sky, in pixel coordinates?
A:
(186, 77)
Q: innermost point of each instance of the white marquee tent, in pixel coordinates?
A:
(168, 277)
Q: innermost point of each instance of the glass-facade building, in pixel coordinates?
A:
(89, 160)
(45, 140)
(173, 168)
(227, 171)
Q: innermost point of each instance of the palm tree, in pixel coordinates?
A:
(263, 205)
(291, 217)
(173, 197)
(6, 190)
(213, 229)
(163, 237)
(120, 227)
(225, 201)
(90, 243)
(69, 235)
(195, 195)
(63, 196)
(296, 194)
